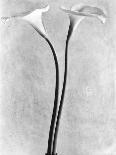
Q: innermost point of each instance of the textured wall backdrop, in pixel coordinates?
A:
(88, 124)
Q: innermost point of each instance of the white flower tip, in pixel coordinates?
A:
(102, 19)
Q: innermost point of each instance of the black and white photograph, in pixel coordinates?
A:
(57, 77)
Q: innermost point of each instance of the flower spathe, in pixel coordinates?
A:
(34, 18)
(82, 11)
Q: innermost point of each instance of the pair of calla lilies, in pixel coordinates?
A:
(34, 18)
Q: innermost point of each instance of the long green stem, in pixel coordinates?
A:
(63, 91)
(54, 114)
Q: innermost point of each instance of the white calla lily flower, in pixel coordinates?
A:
(34, 18)
(82, 11)
(76, 14)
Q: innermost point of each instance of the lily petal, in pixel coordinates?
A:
(90, 11)
(34, 18)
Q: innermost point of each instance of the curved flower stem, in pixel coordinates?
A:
(82, 11)
(31, 17)
(63, 91)
(54, 114)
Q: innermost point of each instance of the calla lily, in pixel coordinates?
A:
(83, 11)
(34, 18)
(76, 14)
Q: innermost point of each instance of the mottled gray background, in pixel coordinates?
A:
(27, 80)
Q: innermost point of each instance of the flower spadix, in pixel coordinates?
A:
(34, 18)
(78, 12)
